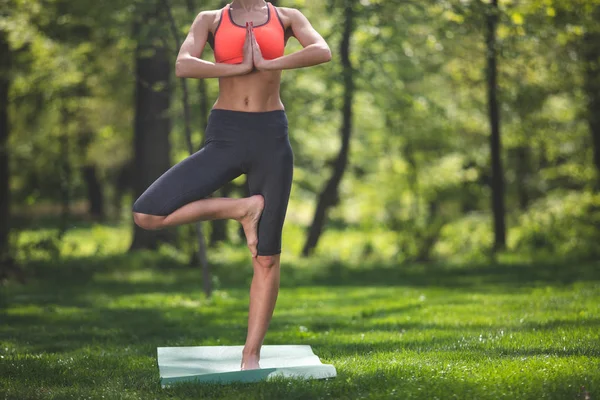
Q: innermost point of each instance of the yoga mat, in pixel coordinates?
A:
(221, 364)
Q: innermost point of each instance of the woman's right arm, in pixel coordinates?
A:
(190, 65)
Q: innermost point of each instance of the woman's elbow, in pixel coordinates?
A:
(326, 53)
(180, 70)
(186, 68)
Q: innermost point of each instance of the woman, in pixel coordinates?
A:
(247, 133)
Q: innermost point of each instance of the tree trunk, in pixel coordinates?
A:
(8, 265)
(522, 175)
(329, 195)
(591, 60)
(89, 173)
(66, 178)
(413, 178)
(245, 192)
(202, 256)
(5, 65)
(495, 144)
(219, 226)
(94, 192)
(122, 179)
(152, 122)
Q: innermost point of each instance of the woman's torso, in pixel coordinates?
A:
(258, 90)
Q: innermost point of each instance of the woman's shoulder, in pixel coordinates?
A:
(288, 14)
(287, 11)
(209, 18)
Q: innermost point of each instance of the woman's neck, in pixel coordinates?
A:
(248, 5)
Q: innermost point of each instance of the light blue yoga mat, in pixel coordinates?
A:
(221, 364)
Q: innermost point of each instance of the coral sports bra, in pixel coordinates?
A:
(229, 37)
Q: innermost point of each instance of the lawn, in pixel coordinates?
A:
(87, 326)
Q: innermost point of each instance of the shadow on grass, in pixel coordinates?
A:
(365, 325)
(121, 328)
(147, 329)
(75, 283)
(471, 276)
(327, 349)
(80, 271)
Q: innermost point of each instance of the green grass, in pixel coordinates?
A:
(88, 327)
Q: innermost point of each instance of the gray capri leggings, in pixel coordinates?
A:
(236, 142)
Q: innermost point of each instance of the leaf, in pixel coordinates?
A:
(517, 19)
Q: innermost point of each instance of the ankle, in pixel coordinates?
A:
(241, 209)
(251, 352)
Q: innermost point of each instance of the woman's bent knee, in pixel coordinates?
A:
(268, 261)
(147, 221)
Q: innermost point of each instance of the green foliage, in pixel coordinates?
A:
(419, 160)
(561, 225)
(470, 237)
(46, 244)
(43, 245)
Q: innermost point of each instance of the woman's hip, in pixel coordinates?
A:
(245, 126)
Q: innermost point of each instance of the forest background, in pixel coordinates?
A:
(442, 233)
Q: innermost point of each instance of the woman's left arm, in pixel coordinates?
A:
(315, 49)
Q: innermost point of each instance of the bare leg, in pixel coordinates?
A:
(263, 295)
(246, 211)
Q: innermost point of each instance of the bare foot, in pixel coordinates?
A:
(250, 219)
(250, 362)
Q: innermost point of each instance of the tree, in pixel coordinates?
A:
(152, 122)
(5, 65)
(89, 172)
(591, 61)
(494, 118)
(329, 195)
(206, 276)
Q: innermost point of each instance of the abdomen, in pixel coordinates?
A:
(254, 92)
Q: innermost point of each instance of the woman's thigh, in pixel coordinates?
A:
(194, 178)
